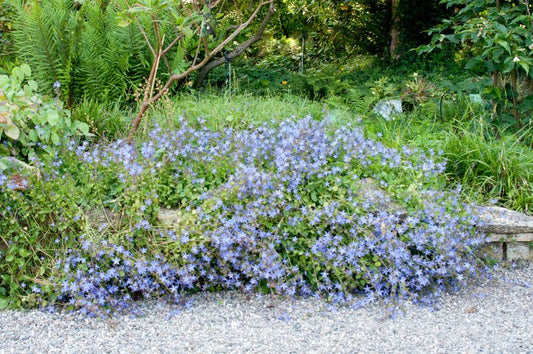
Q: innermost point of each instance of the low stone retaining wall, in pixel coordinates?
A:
(510, 234)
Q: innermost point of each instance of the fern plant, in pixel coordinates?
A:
(79, 45)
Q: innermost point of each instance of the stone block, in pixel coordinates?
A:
(498, 220)
(169, 217)
(526, 237)
(518, 251)
(388, 108)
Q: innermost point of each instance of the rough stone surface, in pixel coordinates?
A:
(387, 108)
(511, 237)
(169, 217)
(496, 220)
(519, 251)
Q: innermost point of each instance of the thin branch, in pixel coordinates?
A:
(176, 40)
(215, 4)
(146, 38)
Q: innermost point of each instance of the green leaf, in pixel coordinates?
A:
(55, 138)
(17, 73)
(4, 303)
(4, 151)
(123, 22)
(505, 45)
(508, 65)
(25, 69)
(83, 128)
(524, 66)
(12, 131)
(33, 85)
(52, 116)
(24, 252)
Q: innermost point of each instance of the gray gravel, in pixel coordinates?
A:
(494, 316)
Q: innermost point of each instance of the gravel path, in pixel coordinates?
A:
(495, 316)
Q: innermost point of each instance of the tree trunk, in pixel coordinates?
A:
(395, 30)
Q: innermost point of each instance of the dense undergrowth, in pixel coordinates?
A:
(281, 177)
(279, 208)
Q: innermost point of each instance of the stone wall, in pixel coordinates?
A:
(510, 234)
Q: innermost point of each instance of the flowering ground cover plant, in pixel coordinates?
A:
(281, 208)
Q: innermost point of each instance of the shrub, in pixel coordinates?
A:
(274, 209)
(29, 121)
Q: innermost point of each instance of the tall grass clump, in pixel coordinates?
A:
(499, 168)
(299, 208)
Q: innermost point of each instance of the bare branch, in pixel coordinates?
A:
(215, 4)
(146, 38)
(176, 40)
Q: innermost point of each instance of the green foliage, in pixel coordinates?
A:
(38, 226)
(415, 17)
(30, 122)
(105, 120)
(6, 46)
(496, 40)
(338, 27)
(80, 45)
(500, 169)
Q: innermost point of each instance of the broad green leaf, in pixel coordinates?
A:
(123, 22)
(12, 131)
(505, 45)
(508, 65)
(55, 138)
(17, 73)
(524, 66)
(33, 85)
(24, 252)
(32, 135)
(83, 128)
(52, 117)
(25, 69)
(4, 303)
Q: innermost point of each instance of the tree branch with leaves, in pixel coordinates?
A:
(192, 27)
